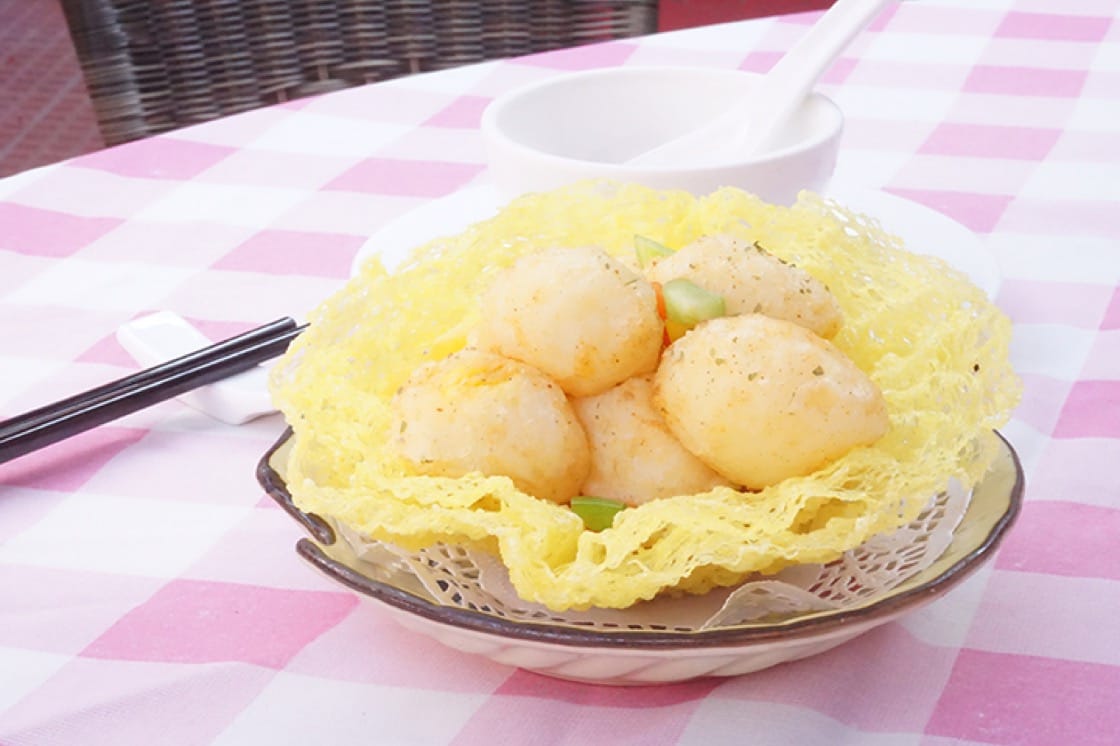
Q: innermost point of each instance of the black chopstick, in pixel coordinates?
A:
(63, 419)
(113, 388)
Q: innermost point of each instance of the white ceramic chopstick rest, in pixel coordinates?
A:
(163, 336)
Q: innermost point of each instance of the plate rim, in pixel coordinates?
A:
(482, 200)
(815, 625)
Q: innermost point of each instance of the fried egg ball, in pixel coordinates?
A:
(761, 399)
(634, 457)
(475, 411)
(578, 315)
(752, 280)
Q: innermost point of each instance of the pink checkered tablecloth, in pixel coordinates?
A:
(149, 592)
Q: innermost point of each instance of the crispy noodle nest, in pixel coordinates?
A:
(931, 340)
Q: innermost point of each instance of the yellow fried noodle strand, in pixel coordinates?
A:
(932, 342)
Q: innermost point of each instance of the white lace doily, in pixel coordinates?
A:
(457, 576)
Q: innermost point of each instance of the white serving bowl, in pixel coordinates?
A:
(588, 124)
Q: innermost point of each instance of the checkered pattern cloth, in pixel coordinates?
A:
(149, 593)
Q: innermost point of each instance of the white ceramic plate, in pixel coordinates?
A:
(922, 230)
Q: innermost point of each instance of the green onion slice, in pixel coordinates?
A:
(647, 250)
(687, 304)
(597, 512)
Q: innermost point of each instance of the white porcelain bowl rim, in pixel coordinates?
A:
(490, 123)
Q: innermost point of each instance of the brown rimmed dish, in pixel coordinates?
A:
(648, 656)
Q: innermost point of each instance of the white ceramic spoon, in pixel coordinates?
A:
(750, 125)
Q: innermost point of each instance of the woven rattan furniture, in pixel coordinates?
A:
(155, 65)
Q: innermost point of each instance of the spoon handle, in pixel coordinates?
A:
(787, 84)
(748, 125)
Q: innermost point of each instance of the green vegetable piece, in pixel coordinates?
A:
(687, 304)
(647, 250)
(597, 512)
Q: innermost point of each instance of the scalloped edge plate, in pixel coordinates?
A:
(642, 657)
